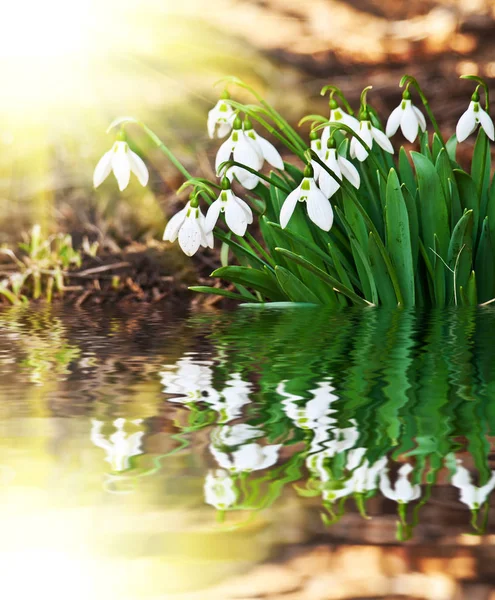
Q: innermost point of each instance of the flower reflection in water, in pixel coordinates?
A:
(120, 446)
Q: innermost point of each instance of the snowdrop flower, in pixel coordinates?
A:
(408, 117)
(231, 400)
(315, 413)
(189, 380)
(329, 442)
(403, 491)
(471, 495)
(319, 208)
(238, 214)
(341, 167)
(470, 119)
(221, 118)
(369, 134)
(317, 147)
(121, 160)
(219, 489)
(245, 151)
(247, 458)
(338, 116)
(364, 475)
(235, 435)
(120, 447)
(265, 148)
(189, 226)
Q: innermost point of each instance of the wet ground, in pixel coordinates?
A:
(260, 453)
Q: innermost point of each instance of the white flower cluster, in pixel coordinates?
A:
(249, 151)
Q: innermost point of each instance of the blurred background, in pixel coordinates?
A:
(69, 68)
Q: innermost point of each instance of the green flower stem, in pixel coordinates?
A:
(254, 115)
(483, 84)
(232, 163)
(168, 153)
(277, 117)
(410, 80)
(336, 90)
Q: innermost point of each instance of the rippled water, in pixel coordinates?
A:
(149, 456)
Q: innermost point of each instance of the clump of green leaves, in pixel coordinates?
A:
(40, 268)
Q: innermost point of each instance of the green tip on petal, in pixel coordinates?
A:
(225, 183)
(308, 171)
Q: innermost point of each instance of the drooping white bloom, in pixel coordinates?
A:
(120, 447)
(317, 146)
(331, 441)
(319, 208)
(368, 133)
(245, 151)
(408, 117)
(238, 214)
(235, 435)
(266, 148)
(220, 119)
(189, 226)
(219, 489)
(470, 119)
(316, 412)
(229, 402)
(364, 475)
(122, 161)
(403, 491)
(189, 380)
(247, 458)
(337, 116)
(341, 167)
(471, 495)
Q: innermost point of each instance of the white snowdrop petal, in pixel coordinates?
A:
(246, 208)
(139, 168)
(247, 179)
(486, 123)
(382, 140)
(409, 123)
(121, 166)
(246, 153)
(190, 235)
(212, 214)
(235, 217)
(319, 209)
(351, 122)
(102, 169)
(223, 153)
(360, 151)
(175, 223)
(421, 118)
(466, 125)
(349, 171)
(211, 124)
(325, 136)
(288, 207)
(328, 184)
(394, 121)
(270, 153)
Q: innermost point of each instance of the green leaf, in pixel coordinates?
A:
(399, 238)
(331, 281)
(294, 287)
(412, 215)
(205, 289)
(436, 147)
(434, 214)
(469, 197)
(451, 146)
(241, 252)
(439, 277)
(481, 167)
(380, 274)
(261, 281)
(459, 257)
(406, 172)
(484, 265)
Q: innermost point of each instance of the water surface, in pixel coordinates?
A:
(150, 456)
